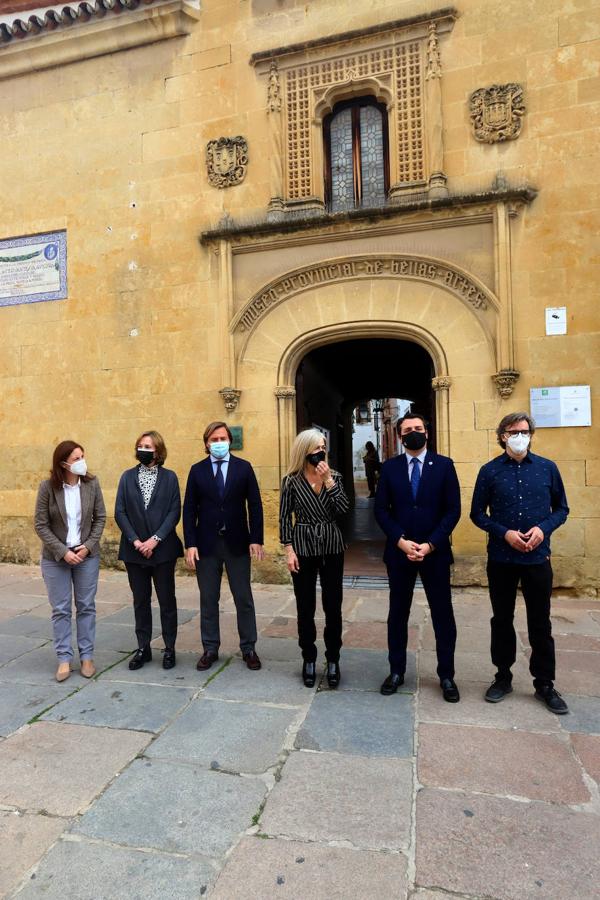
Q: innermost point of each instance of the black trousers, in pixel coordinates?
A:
(140, 582)
(209, 572)
(536, 584)
(435, 575)
(330, 569)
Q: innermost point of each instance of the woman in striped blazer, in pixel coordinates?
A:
(312, 495)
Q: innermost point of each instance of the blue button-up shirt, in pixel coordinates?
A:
(518, 496)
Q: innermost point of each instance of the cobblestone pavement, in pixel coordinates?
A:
(237, 784)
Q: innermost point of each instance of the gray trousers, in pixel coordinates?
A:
(63, 582)
(209, 571)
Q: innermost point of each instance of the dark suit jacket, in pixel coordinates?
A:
(160, 519)
(51, 518)
(429, 518)
(240, 511)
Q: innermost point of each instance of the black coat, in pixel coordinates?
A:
(160, 519)
(240, 510)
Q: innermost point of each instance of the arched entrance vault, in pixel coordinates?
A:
(451, 314)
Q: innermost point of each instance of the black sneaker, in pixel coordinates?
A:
(498, 690)
(552, 699)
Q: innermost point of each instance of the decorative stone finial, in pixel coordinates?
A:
(231, 398)
(505, 381)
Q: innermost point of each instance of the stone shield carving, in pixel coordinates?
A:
(227, 161)
(497, 112)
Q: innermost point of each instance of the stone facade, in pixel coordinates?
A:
(188, 303)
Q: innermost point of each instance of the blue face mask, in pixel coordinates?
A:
(219, 449)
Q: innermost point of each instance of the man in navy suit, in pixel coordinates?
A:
(223, 526)
(418, 505)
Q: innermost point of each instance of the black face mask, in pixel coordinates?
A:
(145, 456)
(414, 440)
(315, 458)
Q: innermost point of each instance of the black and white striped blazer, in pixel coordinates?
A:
(307, 519)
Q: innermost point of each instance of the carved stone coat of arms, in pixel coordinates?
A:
(227, 161)
(497, 112)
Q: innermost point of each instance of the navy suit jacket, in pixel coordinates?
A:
(160, 519)
(240, 510)
(430, 518)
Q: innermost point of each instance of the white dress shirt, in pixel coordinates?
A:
(73, 507)
(224, 467)
(420, 457)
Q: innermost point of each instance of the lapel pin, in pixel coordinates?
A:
(430, 462)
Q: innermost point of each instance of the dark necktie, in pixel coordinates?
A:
(415, 477)
(219, 479)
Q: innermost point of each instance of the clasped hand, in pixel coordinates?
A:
(146, 548)
(525, 541)
(74, 557)
(414, 552)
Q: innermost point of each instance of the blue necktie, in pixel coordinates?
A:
(415, 477)
(219, 479)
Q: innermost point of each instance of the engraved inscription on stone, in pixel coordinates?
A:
(227, 161)
(361, 267)
(497, 112)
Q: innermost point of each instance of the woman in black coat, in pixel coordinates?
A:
(147, 510)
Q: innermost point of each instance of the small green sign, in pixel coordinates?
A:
(237, 434)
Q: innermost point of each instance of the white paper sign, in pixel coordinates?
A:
(561, 407)
(556, 320)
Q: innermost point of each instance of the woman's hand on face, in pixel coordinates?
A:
(324, 471)
(72, 558)
(292, 560)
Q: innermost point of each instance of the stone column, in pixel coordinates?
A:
(286, 421)
(433, 95)
(441, 385)
(274, 112)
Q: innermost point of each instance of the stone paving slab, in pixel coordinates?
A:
(174, 807)
(236, 737)
(78, 869)
(24, 839)
(19, 703)
(580, 683)
(276, 682)
(290, 870)
(360, 723)
(535, 766)
(501, 848)
(587, 748)
(125, 616)
(366, 635)
(469, 639)
(128, 706)
(584, 714)
(470, 666)
(520, 710)
(364, 670)
(39, 667)
(13, 646)
(328, 797)
(29, 625)
(271, 648)
(574, 621)
(90, 757)
(21, 601)
(184, 674)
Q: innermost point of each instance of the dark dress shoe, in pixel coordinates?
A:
(333, 674)
(141, 656)
(391, 684)
(169, 658)
(206, 660)
(252, 661)
(309, 674)
(449, 690)
(498, 690)
(552, 699)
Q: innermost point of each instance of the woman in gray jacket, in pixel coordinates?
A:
(147, 510)
(69, 520)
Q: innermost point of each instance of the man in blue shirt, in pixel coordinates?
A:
(519, 499)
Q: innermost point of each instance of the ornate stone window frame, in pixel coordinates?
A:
(398, 63)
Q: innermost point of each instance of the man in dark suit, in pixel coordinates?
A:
(418, 505)
(223, 526)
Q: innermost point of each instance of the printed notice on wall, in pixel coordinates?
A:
(561, 407)
(33, 268)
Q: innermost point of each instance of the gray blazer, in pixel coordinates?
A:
(50, 520)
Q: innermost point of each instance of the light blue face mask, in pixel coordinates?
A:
(219, 449)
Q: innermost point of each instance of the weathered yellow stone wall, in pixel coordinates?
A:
(112, 149)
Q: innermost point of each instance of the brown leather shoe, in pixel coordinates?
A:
(206, 660)
(88, 669)
(63, 671)
(252, 660)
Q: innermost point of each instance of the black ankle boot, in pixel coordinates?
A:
(141, 656)
(309, 673)
(333, 674)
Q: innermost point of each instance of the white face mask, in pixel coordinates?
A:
(79, 467)
(518, 443)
